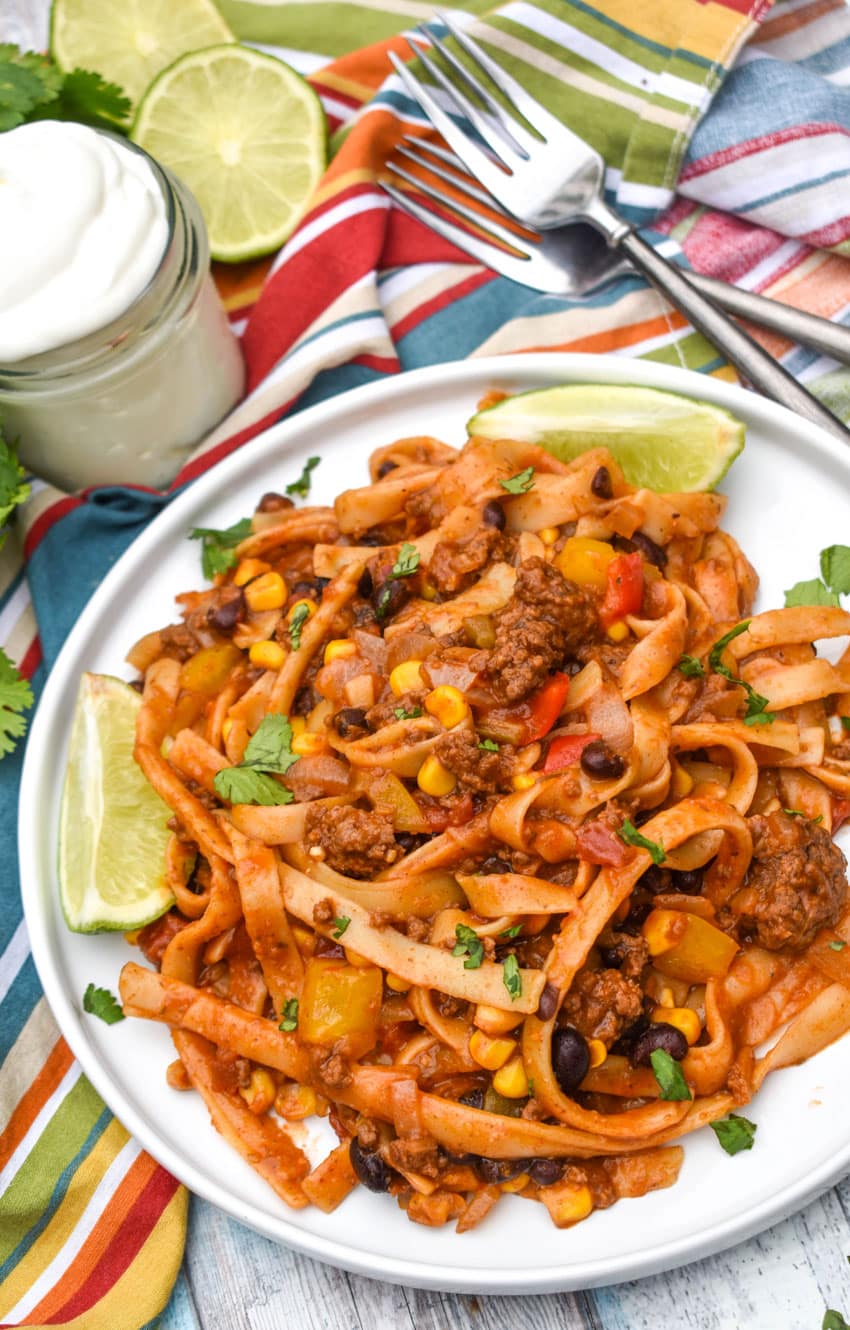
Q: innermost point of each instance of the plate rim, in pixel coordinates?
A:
(206, 489)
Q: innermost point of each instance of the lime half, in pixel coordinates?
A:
(246, 134)
(112, 832)
(662, 441)
(131, 41)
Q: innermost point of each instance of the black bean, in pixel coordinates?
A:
(494, 515)
(364, 586)
(386, 467)
(408, 841)
(570, 1058)
(495, 865)
(600, 762)
(487, 1170)
(662, 1036)
(305, 699)
(274, 503)
(655, 879)
(689, 881)
(638, 912)
(651, 552)
(369, 1167)
(302, 589)
(548, 1004)
(546, 1171)
(373, 539)
(498, 1170)
(600, 485)
(226, 615)
(624, 1045)
(350, 722)
(475, 1099)
(138, 685)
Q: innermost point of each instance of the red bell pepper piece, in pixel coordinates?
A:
(545, 707)
(840, 812)
(565, 751)
(624, 592)
(598, 844)
(453, 812)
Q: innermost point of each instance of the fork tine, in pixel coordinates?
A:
(489, 224)
(492, 134)
(518, 135)
(533, 111)
(474, 159)
(457, 177)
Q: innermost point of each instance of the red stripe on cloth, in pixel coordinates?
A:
(334, 94)
(721, 245)
(736, 152)
(834, 234)
(199, 465)
(46, 520)
(447, 297)
(384, 364)
(31, 659)
(755, 8)
(411, 241)
(123, 1248)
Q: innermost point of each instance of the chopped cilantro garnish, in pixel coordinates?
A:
(795, 812)
(100, 1002)
(668, 1074)
(32, 88)
(691, 667)
(15, 697)
(757, 713)
(401, 714)
(268, 753)
(301, 486)
(340, 925)
(489, 745)
(511, 977)
(735, 1133)
(513, 931)
(14, 487)
(468, 944)
(837, 945)
(290, 1015)
(812, 592)
(845, 722)
(406, 562)
(835, 568)
(217, 546)
(521, 483)
(833, 1320)
(629, 833)
(296, 623)
(715, 655)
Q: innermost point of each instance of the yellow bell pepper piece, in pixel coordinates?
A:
(685, 946)
(340, 1001)
(585, 561)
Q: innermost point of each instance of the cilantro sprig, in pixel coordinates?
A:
(521, 483)
(735, 1133)
(100, 1002)
(269, 753)
(488, 745)
(33, 88)
(629, 833)
(756, 713)
(218, 545)
(407, 561)
(667, 1072)
(833, 582)
(15, 697)
(340, 924)
(301, 486)
(14, 487)
(511, 977)
(401, 713)
(289, 1015)
(300, 616)
(468, 944)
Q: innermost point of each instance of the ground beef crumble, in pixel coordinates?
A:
(355, 842)
(475, 767)
(546, 619)
(601, 1004)
(454, 563)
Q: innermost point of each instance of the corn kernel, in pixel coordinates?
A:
(305, 939)
(296, 1102)
(226, 727)
(549, 534)
(492, 1020)
(511, 1080)
(248, 569)
(299, 607)
(267, 655)
(339, 649)
(568, 1206)
(259, 1093)
(490, 1053)
(516, 1184)
(448, 704)
(681, 783)
(684, 1020)
(524, 781)
(309, 745)
(298, 724)
(598, 1052)
(405, 678)
(355, 958)
(434, 778)
(618, 631)
(267, 592)
(398, 985)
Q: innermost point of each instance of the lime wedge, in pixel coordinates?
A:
(112, 831)
(662, 441)
(129, 43)
(246, 134)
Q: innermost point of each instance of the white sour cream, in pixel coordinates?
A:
(82, 231)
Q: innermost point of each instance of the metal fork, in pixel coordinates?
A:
(546, 176)
(571, 260)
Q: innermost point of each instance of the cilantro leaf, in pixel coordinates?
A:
(715, 655)
(401, 714)
(290, 1015)
(407, 561)
(300, 616)
(468, 944)
(243, 785)
(521, 483)
(837, 945)
(301, 486)
(629, 833)
(735, 1133)
(833, 1320)
(15, 697)
(100, 1002)
(812, 592)
(835, 568)
(489, 745)
(270, 748)
(668, 1074)
(340, 925)
(756, 713)
(22, 89)
(845, 722)
(14, 488)
(33, 88)
(513, 931)
(511, 977)
(691, 667)
(87, 97)
(217, 546)
(795, 812)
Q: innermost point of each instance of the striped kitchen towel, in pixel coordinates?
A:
(725, 125)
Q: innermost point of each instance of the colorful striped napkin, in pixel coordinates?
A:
(736, 155)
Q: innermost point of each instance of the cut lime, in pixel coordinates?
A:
(662, 441)
(129, 43)
(246, 134)
(112, 832)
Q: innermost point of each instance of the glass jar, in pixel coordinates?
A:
(128, 402)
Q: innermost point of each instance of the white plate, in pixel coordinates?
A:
(789, 496)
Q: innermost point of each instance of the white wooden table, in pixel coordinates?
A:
(233, 1279)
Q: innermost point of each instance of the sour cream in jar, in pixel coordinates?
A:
(115, 354)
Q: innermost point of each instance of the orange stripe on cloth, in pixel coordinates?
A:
(92, 1252)
(782, 24)
(612, 339)
(31, 1103)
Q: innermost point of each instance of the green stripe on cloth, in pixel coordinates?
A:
(329, 27)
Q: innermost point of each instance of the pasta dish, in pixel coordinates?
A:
(501, 833)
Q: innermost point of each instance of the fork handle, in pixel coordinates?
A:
(831, 339)
(760, 369)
